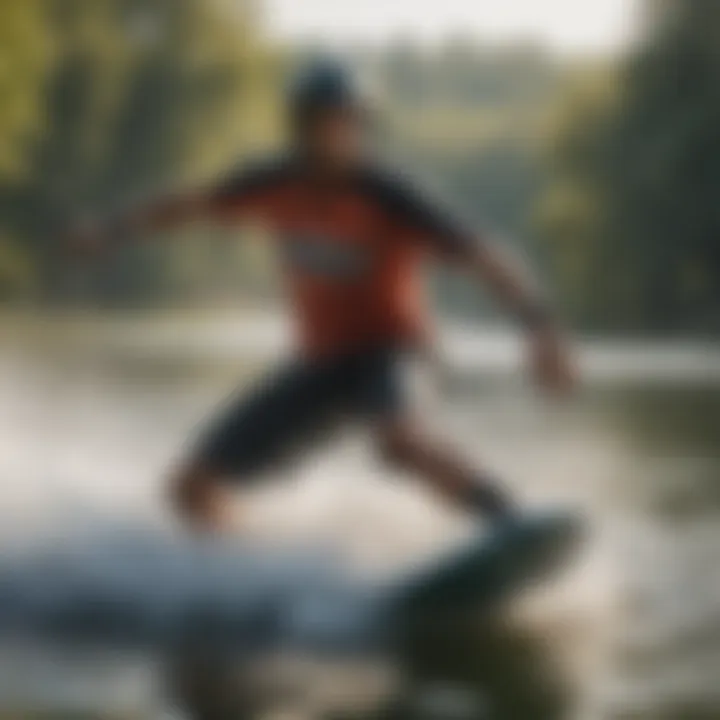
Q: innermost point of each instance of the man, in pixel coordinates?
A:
(351, 237)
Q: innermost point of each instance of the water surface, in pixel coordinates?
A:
(93, 414)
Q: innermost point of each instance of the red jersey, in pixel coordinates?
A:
(350, 250)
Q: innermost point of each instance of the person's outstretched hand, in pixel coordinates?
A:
(551, 361)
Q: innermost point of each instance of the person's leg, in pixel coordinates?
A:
(254, 433)
(405, 445)
(380, 391)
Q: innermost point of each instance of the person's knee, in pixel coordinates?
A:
(397, 446)
(191, 490)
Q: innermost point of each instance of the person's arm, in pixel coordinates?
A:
(426, 221)
(512, 285)
(242, 193)
(91, 235)
(166, 213)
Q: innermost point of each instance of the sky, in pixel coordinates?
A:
(587, 26)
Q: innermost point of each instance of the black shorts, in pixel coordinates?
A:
(295, 405)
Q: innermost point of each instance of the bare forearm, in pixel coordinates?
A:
(551, 359)
(89, 237)
(163, 214)
(510, 283)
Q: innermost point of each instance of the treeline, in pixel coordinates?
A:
(104, 101)
(630, 217)
(606, 172)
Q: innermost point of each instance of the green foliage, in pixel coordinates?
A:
(578, 246)
(140, 95)
(631, 218)
(24, 59)
(17, 280)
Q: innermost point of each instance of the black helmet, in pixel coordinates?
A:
(323, 85)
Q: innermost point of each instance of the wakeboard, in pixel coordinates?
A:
(494, 565)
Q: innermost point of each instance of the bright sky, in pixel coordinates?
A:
(567, 25)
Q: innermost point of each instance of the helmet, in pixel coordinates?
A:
(322, 85)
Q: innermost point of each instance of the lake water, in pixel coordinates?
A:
(93, 413)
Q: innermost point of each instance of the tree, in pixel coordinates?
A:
(25, 56)
(24, 61)
(646, 252)
(141, 95)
